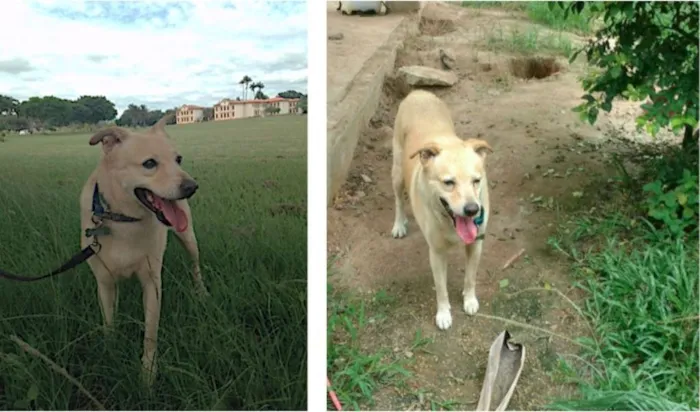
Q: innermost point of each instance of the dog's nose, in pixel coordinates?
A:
(188, 187)
(471, 209)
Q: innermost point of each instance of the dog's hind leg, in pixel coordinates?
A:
(473, 256)
(189, 242)
(400, 221)
(438, 264)
(150, 276)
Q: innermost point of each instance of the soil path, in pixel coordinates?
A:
(542, 155)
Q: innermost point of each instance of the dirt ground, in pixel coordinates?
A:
(543, 160)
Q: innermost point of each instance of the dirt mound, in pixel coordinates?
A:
(534, 67)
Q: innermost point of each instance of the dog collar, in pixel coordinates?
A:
(100, 209)
(479, 220)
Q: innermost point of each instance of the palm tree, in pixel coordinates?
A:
(261, 86)
(257, 87)
(245, 81)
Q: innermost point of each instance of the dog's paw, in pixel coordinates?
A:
(399, 230)
(201, 291)
(443, 319)
(148, 371)
(471, 305)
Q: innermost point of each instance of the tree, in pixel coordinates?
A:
(272, 110)
(99, 109)
(245, 81)
(8, 104)
(50, 111)
(14, 123)
(208, 114)
(646, 51)
(140, 116)
(258, 86)
(303, 104)
(291, 94)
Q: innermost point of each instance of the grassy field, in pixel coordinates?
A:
(244, 348)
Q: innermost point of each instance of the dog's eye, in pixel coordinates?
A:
(477, 181)
(178, 159)
(150, 164)
(449, 182)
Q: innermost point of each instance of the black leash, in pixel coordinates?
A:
(77, 259)
(100, 212)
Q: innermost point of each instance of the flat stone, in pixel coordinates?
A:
(427, 76)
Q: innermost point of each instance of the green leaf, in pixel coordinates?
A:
(682, 198)
(688, 213)
(615, 72)
(33, 392)
(503, 283)
(592, 115)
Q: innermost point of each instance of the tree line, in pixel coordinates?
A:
(51, 112)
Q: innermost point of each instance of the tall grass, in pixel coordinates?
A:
(641, 283)
(242, 348)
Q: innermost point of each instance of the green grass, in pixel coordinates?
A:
(539, 12)
(355, 372)
(536, 39)
(243, 348)
(642, 299)
(529, 41)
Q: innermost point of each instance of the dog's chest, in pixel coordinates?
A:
(126, 251)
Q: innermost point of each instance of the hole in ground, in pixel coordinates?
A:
(533, 67)
(435, 27)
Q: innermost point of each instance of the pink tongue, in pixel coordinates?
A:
(174, 214)
(466, 229)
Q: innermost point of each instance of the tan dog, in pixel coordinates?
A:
(447, 187)
(139, 178)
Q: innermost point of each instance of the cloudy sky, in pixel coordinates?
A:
(159, 53)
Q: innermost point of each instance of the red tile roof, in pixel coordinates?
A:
(271, 100)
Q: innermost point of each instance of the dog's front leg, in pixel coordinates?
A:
(438, 264)
(152, 293)
(189, 242)
(473, 256)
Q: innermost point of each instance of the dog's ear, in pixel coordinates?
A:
(426, 154)
(159, 127)
(481, 147)
(109, 137)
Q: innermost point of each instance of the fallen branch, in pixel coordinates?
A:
(61, 371)
(513, 259)
(526, 326)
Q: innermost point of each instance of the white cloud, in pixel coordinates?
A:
(162, 54)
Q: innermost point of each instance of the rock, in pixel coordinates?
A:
(447, 59)
(366, 178)
(427, 76)
(336, 36)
